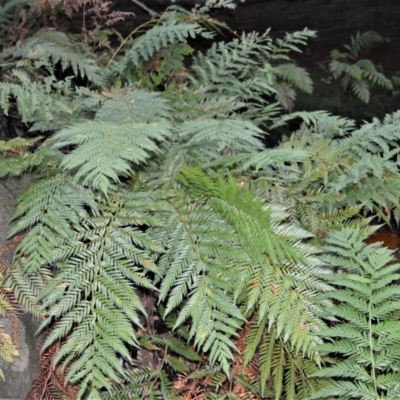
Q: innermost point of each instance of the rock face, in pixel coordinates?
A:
(19, 376)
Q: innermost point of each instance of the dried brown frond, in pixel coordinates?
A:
(194, 389)
(9, 246)
(50, 384)
(190, 389)
(250, 372)
(102, 15)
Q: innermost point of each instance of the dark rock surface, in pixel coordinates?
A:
(334, 20)
(20, 374)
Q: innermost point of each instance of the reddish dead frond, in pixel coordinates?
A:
(197, 389)
(50, 384)
(250, 372)
(190, 389)
(9, 246)
(102, 15)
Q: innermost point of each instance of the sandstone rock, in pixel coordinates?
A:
(19, 376)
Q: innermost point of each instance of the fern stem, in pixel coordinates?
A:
(371, 346)
(126, 39)
(144, 7)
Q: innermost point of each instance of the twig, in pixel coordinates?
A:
(144, 7)
(126, 39)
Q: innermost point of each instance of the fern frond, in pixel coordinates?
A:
(281, 274)
(45, 104)
(138, 106)
(367, 332)
(363, 42)
(105, 150)
(225, 135)
(295, 75)
(93, 299)
(47, 212)
(158, 37)
(361, 90)
(56, 47)
(355, 71)
(199, 278)
(143, 384)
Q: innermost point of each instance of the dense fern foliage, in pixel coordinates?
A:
(167, 251)
(355, 72)
(367, 306)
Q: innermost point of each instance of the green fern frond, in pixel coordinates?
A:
(158, 37)
(138, 106)
(292, 41)
(367, 334)
(92, 303)
(295, 75)
(228, 135)
(17, 159)
(357, 72)
(198, 279)
(45, 104)
(361, 90)
(143, 384)
(281, 277)
(282, 371)
(46, 213)
(363, 42)
(56, 47)
(106, 151)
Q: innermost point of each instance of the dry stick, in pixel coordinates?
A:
(144, 7)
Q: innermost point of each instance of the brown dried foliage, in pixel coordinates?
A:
(96, 15)
(50, 384)
(197, 389)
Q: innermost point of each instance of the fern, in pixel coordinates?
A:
(133, 138)
(154, 185)
(242, 68)
(48, 210)
(356, 72)
(168, 33)
(100, 258)
(144, 383)
(267, 282)
(198, 279)
(47, 48)
(367, 332)
(10, 14)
